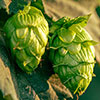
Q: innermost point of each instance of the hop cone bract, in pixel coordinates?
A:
(26, 36)
(72, 53)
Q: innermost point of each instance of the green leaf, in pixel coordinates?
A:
(89, 43)
(58, 24)
(62, 20)
(81, 20)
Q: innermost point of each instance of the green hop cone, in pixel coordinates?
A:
(26, 36)
(72, 53)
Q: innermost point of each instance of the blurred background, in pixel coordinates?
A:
(73, 8)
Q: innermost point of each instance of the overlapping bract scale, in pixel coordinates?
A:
(72, 54)
(26, 36)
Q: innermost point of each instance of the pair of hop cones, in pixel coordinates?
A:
(71, 47)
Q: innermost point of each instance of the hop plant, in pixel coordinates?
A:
(72, 53)
(26, 36)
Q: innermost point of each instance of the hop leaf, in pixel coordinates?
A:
(26, 36)
(72, 53)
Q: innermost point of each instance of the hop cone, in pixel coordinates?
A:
(72, 53)
(26, 36)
